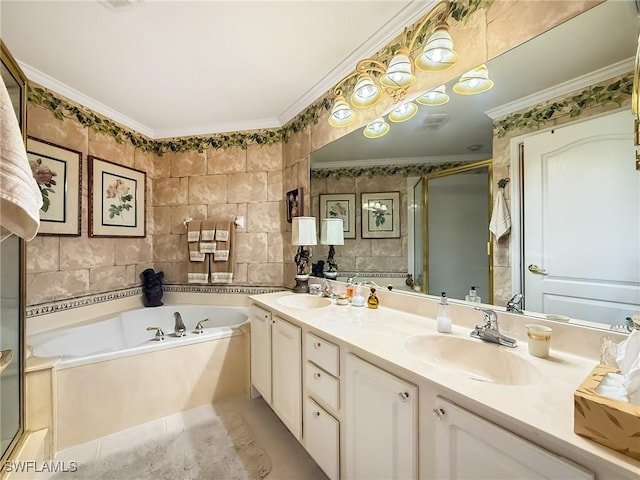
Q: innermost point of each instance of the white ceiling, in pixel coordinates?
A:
(174, 68)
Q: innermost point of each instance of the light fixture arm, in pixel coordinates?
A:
(441, 9)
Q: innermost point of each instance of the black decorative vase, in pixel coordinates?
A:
(152, 287)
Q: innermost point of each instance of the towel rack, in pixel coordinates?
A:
(503, 182)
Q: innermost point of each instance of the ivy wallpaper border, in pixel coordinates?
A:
(460, 10)
(383, 170)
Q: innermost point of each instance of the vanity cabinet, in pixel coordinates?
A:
(469, 447)
(276, 372)
(381, 423)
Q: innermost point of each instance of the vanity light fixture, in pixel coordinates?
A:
(433, 98)
(396, 75)
(376, 129)
(332, 234)
(404, 112)
(474, 81)
(303, 234)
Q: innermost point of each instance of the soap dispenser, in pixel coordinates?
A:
(372, 301)
(443, 320)
(358, 300)
(473, 295)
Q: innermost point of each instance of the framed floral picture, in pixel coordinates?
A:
(294, 202)
(340, 205)
(58, 173)
(381, 215)
(116, 200)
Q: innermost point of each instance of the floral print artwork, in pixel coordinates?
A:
(118, 192)
(44, 178)
(118, 200)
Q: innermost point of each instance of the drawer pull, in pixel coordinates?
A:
(316, 375)
(439, 413)
(316, 414)
(317, 344)
(404, 396)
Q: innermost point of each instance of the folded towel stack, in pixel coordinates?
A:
(198, 266)
(223, 259)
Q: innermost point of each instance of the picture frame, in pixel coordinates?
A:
(380, 215)
(294, 203)
(58, 173)
(117, 200)
(340, 205)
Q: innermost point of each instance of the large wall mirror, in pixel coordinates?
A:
(568, 58)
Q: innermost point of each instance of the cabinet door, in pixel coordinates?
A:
(381, 423)
(286, 343)
(261, 351)
(322, 438)
(469, 447)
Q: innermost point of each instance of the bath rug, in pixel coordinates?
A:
(223, 448)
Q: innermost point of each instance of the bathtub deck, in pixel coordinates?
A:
(288, 459)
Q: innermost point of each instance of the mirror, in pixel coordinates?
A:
(461, 131)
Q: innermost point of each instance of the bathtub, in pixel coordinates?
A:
(126, 334)
(110, 374)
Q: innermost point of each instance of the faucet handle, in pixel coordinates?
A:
(490, 317)
(199, 328)
(159, 333)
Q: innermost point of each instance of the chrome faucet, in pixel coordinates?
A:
(179, 329)
(514, 305)
(327, 289)
(490, 331)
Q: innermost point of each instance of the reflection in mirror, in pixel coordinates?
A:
(564, 76)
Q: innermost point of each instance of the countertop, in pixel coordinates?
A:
(545, 408)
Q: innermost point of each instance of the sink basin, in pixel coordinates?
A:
(304, 301)
(480, 361)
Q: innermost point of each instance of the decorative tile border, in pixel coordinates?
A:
(68, 304)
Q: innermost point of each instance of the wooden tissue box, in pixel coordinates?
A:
(609, 422)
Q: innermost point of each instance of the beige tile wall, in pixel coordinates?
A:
(226, 183)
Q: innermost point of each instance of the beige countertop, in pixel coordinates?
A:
(544, 408)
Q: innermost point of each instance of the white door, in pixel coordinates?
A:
(582, 220)
(381, 424)
(286, 370)
(261, 351)
(470, 448)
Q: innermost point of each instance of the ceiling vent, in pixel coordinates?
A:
(435, 120)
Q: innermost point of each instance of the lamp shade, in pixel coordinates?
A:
(435, 97)
(399, 72)
(304, 231)
(365, 93)
(404, 112)
(376, 129)
(332, 231)
(474, 81)
(438, 53)
(341, 113)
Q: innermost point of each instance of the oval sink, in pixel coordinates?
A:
(480, 361)
(304, 301)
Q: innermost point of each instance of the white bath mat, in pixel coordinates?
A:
(222, 448)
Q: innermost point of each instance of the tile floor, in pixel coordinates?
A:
(289, 461)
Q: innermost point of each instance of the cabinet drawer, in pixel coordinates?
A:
(322, 385)
(322, 438)
(324, 354)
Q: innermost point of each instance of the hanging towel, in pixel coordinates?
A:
(20, 197)
(208, 231)
(500, 223)
(223, 261)
(198, 265)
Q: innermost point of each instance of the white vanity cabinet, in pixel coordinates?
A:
(276, 372)
(469, 447)
(381, 423)
(322, 382)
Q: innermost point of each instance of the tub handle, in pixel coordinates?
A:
(199, 328)
(159, 333)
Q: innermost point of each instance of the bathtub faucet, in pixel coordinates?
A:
(179, 329)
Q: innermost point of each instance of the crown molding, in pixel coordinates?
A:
(379, 162)
(410, 14)
(619, 68)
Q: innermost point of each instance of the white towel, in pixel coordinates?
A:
(628, 359)
(500, 223)
(20, 197)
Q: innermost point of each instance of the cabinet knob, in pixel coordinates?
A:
(317, 344)
(316, 414)
(316, 375)
(439, 413)
(273, 322)
(404, 396)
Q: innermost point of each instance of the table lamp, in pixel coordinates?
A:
(303, 233)
(332, 234)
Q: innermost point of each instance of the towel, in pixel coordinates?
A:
(629, 361)
(223, 261)
(500, 223)
(198, 266)
(20, 197)
(208, 231)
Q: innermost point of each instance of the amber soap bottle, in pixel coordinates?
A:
(372, 301)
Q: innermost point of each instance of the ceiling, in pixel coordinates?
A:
(604, 37)
(175, 68)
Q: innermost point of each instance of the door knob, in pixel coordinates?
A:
(533, 268)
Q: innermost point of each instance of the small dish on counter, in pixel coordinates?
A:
(342, 299)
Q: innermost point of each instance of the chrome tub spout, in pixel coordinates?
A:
(180, 330)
